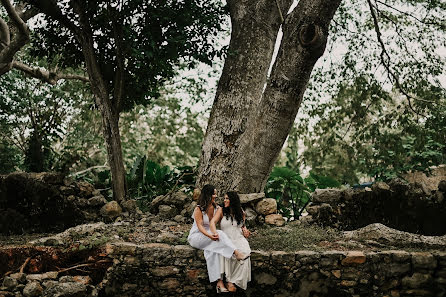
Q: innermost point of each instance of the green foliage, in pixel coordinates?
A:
(365, 102)
(155, 37)
(292, 192)
(148, 179)
(33, 117)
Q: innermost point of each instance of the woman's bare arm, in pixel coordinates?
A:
(198, 216)
(216, 219)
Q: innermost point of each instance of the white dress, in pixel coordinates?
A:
(236, 272)
(213, 250)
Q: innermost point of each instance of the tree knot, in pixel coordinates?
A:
(311, 35)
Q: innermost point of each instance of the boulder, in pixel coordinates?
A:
(111, 210)
(178, 199)
(326, 196)
(275, 219)
(98, 200)
(250, 214)
(252, 197)
(32, 289)
(129, 206)
(72, 289)
(167, 212)
(85, 189)
(266, 206)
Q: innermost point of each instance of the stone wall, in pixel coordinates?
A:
(45, 202)
(408, 207)
(164, 270)
(158, 269)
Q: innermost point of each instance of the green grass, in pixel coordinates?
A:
(291, 238)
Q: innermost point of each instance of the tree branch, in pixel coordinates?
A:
(385, 59)
(12, 13)
(120, 69)
(45, 75)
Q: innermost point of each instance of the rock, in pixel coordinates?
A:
(43, 276)
(196, 194)
(85, 189)
(69, 289)
(353, 258)
(326, 196)
(417, 280)
(97, 200)
(275, 219)
(83, 279)
(10, 283)
(167, 212)
(398, 185)
(130, 206)
(252, 197)
(381, 233)
(251, 215)
(111, 210)
(442, 186)
(423, 260)
(179, 219)
(380, 187)
(266, 206)
(178, 199)
(32, 289)
(19, 276)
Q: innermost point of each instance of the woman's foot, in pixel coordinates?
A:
(221, 287)
(240, 256)
(231, 287)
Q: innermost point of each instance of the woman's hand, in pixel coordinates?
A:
(246, 232)
(214, 236)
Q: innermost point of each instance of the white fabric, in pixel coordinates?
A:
(236, 272)
(212, 249)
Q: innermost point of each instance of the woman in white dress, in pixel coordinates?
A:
(214, 244)
(232, 219)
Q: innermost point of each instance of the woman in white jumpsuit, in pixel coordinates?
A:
(213, 244)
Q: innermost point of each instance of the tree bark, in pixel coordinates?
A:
(263, 125)
(255, 25)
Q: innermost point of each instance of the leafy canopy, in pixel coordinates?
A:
(154, 37)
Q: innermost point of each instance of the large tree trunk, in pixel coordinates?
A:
(255, 25)
(268, 120)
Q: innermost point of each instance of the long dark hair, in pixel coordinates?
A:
(235, 208)
(205, 198)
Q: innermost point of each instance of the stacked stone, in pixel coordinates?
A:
(179, 207)
(399, 205)
(46, 202)
(165, 270)
(47, 284)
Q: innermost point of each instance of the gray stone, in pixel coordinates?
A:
(129, 206)
(42, 276)
(326, 195)
(250, 214)
(10, 283)
(32, 289)
(266, 206)
(417, 280)
(179, 219)
(423, 260)
(252, 197)
(97, 200)
(69, 289)
(275, 219)
(167, 212)
(111, 210)
(19, 276)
